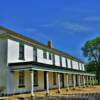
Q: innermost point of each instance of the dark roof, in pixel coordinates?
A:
(11, 33)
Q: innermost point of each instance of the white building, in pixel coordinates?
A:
(27, 66)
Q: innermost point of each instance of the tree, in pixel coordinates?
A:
(91, 50)
(90, 67)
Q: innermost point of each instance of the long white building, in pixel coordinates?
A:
(27, 66)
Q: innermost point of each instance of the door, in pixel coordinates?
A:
(45, 79)
(62, 80)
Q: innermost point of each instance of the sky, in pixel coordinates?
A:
(68, 23)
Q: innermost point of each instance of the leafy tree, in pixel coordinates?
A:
(90, 67)
(91, 50)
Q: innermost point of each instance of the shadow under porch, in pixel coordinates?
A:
(35, 81)
(41, 77)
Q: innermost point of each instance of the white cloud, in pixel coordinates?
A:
(37, 32)
(89, 24)
(31, 29)
(68, 26)
(92, 18)
(75, 27)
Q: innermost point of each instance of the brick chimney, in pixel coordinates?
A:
(50, 43)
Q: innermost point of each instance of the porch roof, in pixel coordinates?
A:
(45, 67)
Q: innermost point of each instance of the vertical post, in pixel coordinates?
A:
(67, 83)
(32, 83)
(83, 81)
(90, 80)
(87, 81)
(79, 81)
(74, 81)
(95, 80)
(59, 82)
(47, 83)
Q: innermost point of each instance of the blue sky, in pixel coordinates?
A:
(68, 23)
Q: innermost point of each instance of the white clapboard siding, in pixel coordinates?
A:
(43, 60)
(13, 52)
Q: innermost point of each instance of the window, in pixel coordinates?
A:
(50, 56)
(35, 54)
(35, 78)
(21, 79)
(81, 66)
(53, 59)
(66, 63)
(71, 64)
(45, 54)
(78, 66)
(54, 78)
(21, 51)
(60, 61)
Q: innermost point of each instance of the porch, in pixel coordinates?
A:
(40, 78)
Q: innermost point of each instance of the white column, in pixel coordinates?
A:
(93, 80)
(83, 80)
(67, 83)
(47, 82)
(32, 83)
(79, 84)
(87, 81)
(74, 81)
(58, 82)
(90, 80)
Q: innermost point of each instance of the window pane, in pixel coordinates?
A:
(54, 78)
(21, 51)
(21, 78)
(66, 63)
(45, 54)
(35, 54)
(71, 64)
(35, 78)
(50, 56)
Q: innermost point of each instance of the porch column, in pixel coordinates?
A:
(58, 82)
(74, 81)
(87, 81)
(90, 80)
(67, 83)
(83, 81)
(79, 84)
(32, 83)
(93, 80)
(47, 82)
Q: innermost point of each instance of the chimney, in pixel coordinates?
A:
(50, 43)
